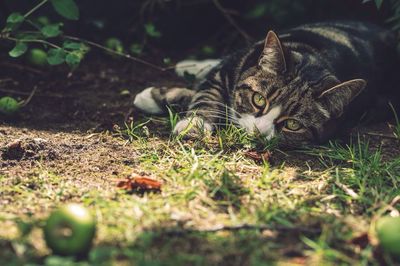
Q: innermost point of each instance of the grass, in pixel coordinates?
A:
(217, 206)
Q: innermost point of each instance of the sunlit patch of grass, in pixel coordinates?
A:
(232, 137)
(133, 130)
(359, 175)
(173, 118)
(309, 213)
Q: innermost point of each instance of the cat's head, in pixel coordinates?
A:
(291, 95)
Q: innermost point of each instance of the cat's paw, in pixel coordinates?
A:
(146, 103)
(193, 127)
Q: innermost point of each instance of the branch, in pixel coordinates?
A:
(228, 17)
(33, 41)
(35, 8)
(138, 60)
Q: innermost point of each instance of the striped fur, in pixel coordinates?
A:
(308, 82)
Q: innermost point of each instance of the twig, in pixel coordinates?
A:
(348, 190)
(33, 41)
(25, 102)
(228, 17)
(242, 227)
(162, 69)
(22, 67)
(35, 8)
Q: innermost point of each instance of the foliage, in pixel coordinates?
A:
(394, 20)
(41, 31)
(152, 23)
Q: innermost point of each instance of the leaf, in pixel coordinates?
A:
(378, 3)
(15, 18)
(66, 8)
(257, 11)
(139, 183)
(259, 156)
(73, 59)
(13, 21)
(72, 45)
(152, 31)
(136, 48)
(22, 36)
(52, 30)
(56, 56)
(167, 60)
(19, 49)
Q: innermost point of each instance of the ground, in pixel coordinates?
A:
(217, 205)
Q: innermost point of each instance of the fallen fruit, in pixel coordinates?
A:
(37, 57)
(388, 232)
(69, 230)
(8, 105)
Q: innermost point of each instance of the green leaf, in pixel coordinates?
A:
(73, 59)
(13, 21)
(66, 8)
(15, 18)
(378, 3)
(136, 48)
(167, 60)
(56, 56)
(19, 49)
(52, 30)
(23, 36)
(73, 45)
(152, 31)
(257, 11)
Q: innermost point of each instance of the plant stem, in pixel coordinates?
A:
(229, 18)
(162, 69)
(33, 41)
(35, 8)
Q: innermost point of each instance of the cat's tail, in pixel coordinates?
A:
(198, 68)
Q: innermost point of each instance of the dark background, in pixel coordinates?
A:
(188, 25)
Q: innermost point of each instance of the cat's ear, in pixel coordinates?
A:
(338, 97)
(272, 58)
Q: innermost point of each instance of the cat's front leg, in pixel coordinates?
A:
(205, 112)
(155, 100)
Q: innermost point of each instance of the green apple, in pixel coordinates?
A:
(69, 230)
(388, 232)
(8, 105)
(37, 57)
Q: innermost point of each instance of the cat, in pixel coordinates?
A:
(301, 86)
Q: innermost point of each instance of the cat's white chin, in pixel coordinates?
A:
(192, 126)
(263, 125)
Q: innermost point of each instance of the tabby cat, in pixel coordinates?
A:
(302, 85)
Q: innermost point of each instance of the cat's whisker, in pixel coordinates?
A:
(225, 106)
(221, 114)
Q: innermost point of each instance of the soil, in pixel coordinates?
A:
(69, 121)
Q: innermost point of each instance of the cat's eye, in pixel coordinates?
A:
(293, 125)
(258, 100)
